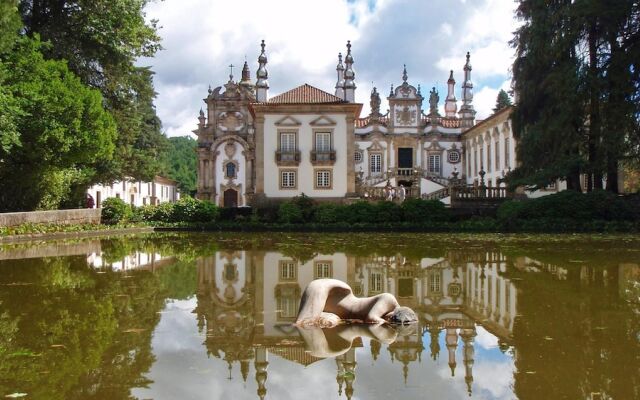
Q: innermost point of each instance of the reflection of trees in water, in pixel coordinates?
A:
(576, 338)
(76, 334)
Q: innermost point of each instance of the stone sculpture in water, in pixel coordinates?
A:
(327, 302)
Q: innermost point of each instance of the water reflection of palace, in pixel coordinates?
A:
(247, 301)
(136, 260)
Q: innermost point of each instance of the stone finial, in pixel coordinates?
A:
(404, 73)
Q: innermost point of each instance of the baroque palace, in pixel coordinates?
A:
(254, 148)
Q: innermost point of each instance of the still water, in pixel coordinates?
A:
(209, 316)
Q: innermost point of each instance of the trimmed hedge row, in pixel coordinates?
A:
(302, 210)
(570, 207)
(187, 209)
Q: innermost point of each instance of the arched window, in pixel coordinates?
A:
(230, 170)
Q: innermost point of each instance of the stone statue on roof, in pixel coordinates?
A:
(434, 99)
(375, 103)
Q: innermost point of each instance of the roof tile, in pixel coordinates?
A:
(305, 94)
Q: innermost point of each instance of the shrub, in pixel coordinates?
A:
(420, 211)
(356, 213)
(189, 209)
(290, 213)
(115, 210)
(387, 212)
(510, 210)
(306, 206)
(326, 213)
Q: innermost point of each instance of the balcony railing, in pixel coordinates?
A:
(288, 157)
(323, 157)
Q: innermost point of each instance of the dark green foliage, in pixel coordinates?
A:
(101, 41)
(189, 209)
(327, 213)
(115, 210)
(63, 132)
(179, 162)
(577, 76)
(424, 210)
(387, 212)
(306, 206)
(357, 213)
(502, 101)
(186, 209)
(290, 213)
(569, 207)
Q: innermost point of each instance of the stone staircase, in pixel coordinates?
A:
(438, 194)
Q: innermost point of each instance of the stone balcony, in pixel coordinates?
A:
(288, 158)
(323, 157)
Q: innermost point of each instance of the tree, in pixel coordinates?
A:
(548, 120)
(101, 41)
(9, 26)
(63, 130)
(503, 100)
(180, 163)
(578, 83)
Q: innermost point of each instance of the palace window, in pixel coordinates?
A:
(482, 157)
(288, 270)
(434, 163)
(507, 153)
(323, 179)
(288, 179)
(230, 170)
(375, 163)
(468, 163)
(287, 307)
(323, 269)
(287, 142)
(475, 161)
(489, 164)
(323, 142)
(454, 157)
(497, 155)
(357, 157)
(435, 282)
(375, 282)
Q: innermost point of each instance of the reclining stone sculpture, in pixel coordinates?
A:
(327, 302)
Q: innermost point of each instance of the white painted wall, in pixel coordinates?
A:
(220, 173)
(305, 170)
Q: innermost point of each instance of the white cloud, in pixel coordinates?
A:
(202, 37)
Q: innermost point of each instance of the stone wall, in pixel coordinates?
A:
(64, 217)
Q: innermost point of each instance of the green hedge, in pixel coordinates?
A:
(303, 210)
(187, 209)
(569, 206)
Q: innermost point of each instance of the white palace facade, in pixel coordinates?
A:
(254, 148)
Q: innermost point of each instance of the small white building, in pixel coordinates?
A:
(137, 193)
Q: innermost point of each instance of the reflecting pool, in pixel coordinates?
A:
(209, 316)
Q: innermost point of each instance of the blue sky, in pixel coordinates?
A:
(202, 37)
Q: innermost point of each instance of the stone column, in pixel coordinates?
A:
(351, 167)
(259, 156)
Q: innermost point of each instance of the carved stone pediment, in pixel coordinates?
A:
(231, 121)
(435, 147)
(375, 146)
(406, 91)
(322, 121)
(406, 115)
(288, 121)
(230, 149)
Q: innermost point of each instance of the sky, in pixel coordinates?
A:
(201, 38)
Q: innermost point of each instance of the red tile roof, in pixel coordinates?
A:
(363, 122)
(305, 94)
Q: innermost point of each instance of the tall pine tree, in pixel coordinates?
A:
(577, 79)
